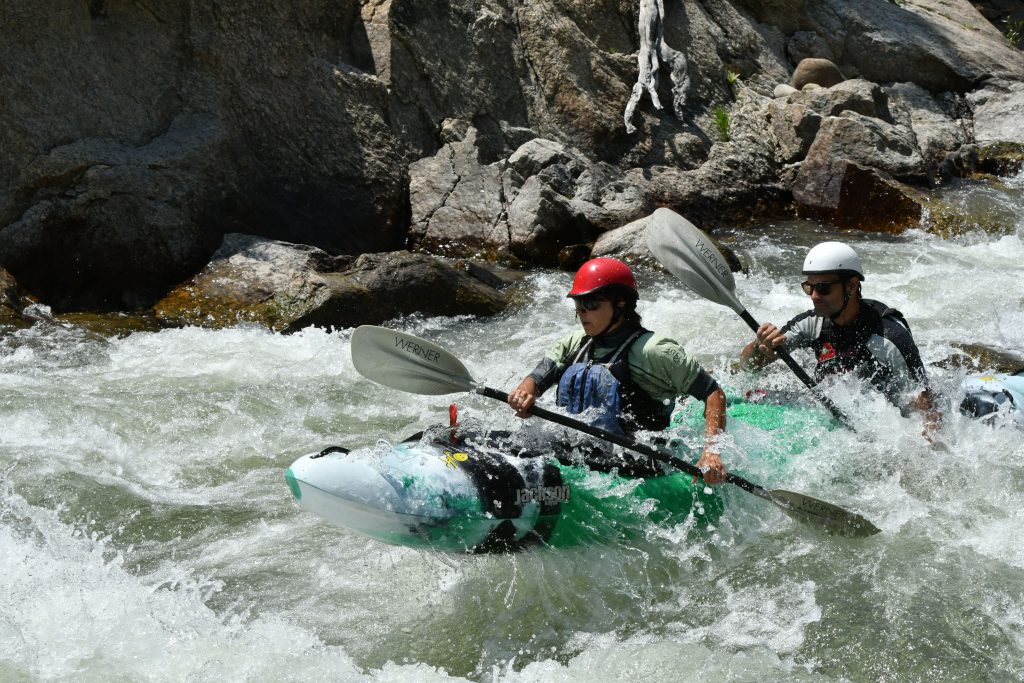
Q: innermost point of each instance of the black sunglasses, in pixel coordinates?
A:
(590, 303)
(822, 288)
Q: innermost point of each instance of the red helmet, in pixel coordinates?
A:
(601, 273)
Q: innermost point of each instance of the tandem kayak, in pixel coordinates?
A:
(480, 493)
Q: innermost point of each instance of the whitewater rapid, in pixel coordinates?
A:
(147, 533)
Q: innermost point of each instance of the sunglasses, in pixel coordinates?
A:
(589, 304)
(822, 288)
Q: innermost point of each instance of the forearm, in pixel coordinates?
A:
(714, 418)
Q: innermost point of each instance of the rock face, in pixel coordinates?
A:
(289, 286)
(139, 134)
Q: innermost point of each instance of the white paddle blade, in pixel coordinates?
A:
(407, 363)
(692, 257)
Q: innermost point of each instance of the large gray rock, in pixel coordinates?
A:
(457, 202)
(541, 199)
(998, 113)
(110, 225)
(136, 124)
(938, 134)
(794, 126)
(289, 286)
(870, 142)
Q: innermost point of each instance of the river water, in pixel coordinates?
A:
(147, 533)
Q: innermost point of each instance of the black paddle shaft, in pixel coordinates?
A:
(625, 442)
(803, 376)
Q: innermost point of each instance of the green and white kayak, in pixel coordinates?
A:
(476, 496)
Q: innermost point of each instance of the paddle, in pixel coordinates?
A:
(692, 257)
(402, 361)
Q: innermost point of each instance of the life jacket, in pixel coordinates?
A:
(606, 387)
(839, 350)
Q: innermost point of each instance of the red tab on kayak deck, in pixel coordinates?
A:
(453, 419)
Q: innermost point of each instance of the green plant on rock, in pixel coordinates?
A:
(1015, 32)
(722, 121)
(733, 79)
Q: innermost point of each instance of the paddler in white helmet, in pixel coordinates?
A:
(849, 333)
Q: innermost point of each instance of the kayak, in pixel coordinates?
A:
(473, 496)
(485, 493)
(994, 395)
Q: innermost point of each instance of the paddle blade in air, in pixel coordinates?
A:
(692, 257)
(407, 363)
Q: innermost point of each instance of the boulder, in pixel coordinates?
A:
(850, 195)
(289, 286)
(817, 71)
(794, 126)
(938, 135)
(1001, 158)
(869, 142)
(458, 203)
(783, 90)
(541, 223)
(998, 113)
(141, 133)
(543, 198)
(13, 300)
(111, 225)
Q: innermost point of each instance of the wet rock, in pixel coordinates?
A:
(112, 324)
(817, 71)
(983, 358)
(289, 286)
(570, 258)
(13, 300)
(1001, 159)
(850, 195)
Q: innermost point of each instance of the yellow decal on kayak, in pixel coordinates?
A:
(453, 458)
(987, 378)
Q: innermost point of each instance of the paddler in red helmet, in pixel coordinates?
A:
(623, 377)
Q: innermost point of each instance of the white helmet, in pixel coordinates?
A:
(829, 257)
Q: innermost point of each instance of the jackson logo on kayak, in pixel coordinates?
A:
(412, 347)
(545, 495)
(712, 258)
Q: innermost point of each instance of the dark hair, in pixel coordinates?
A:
(629, 298)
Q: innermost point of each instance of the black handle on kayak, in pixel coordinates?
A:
(803, 377)
(626, 442)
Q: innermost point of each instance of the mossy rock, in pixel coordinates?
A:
(1001, 158)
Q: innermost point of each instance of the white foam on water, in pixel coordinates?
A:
(146, 531)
